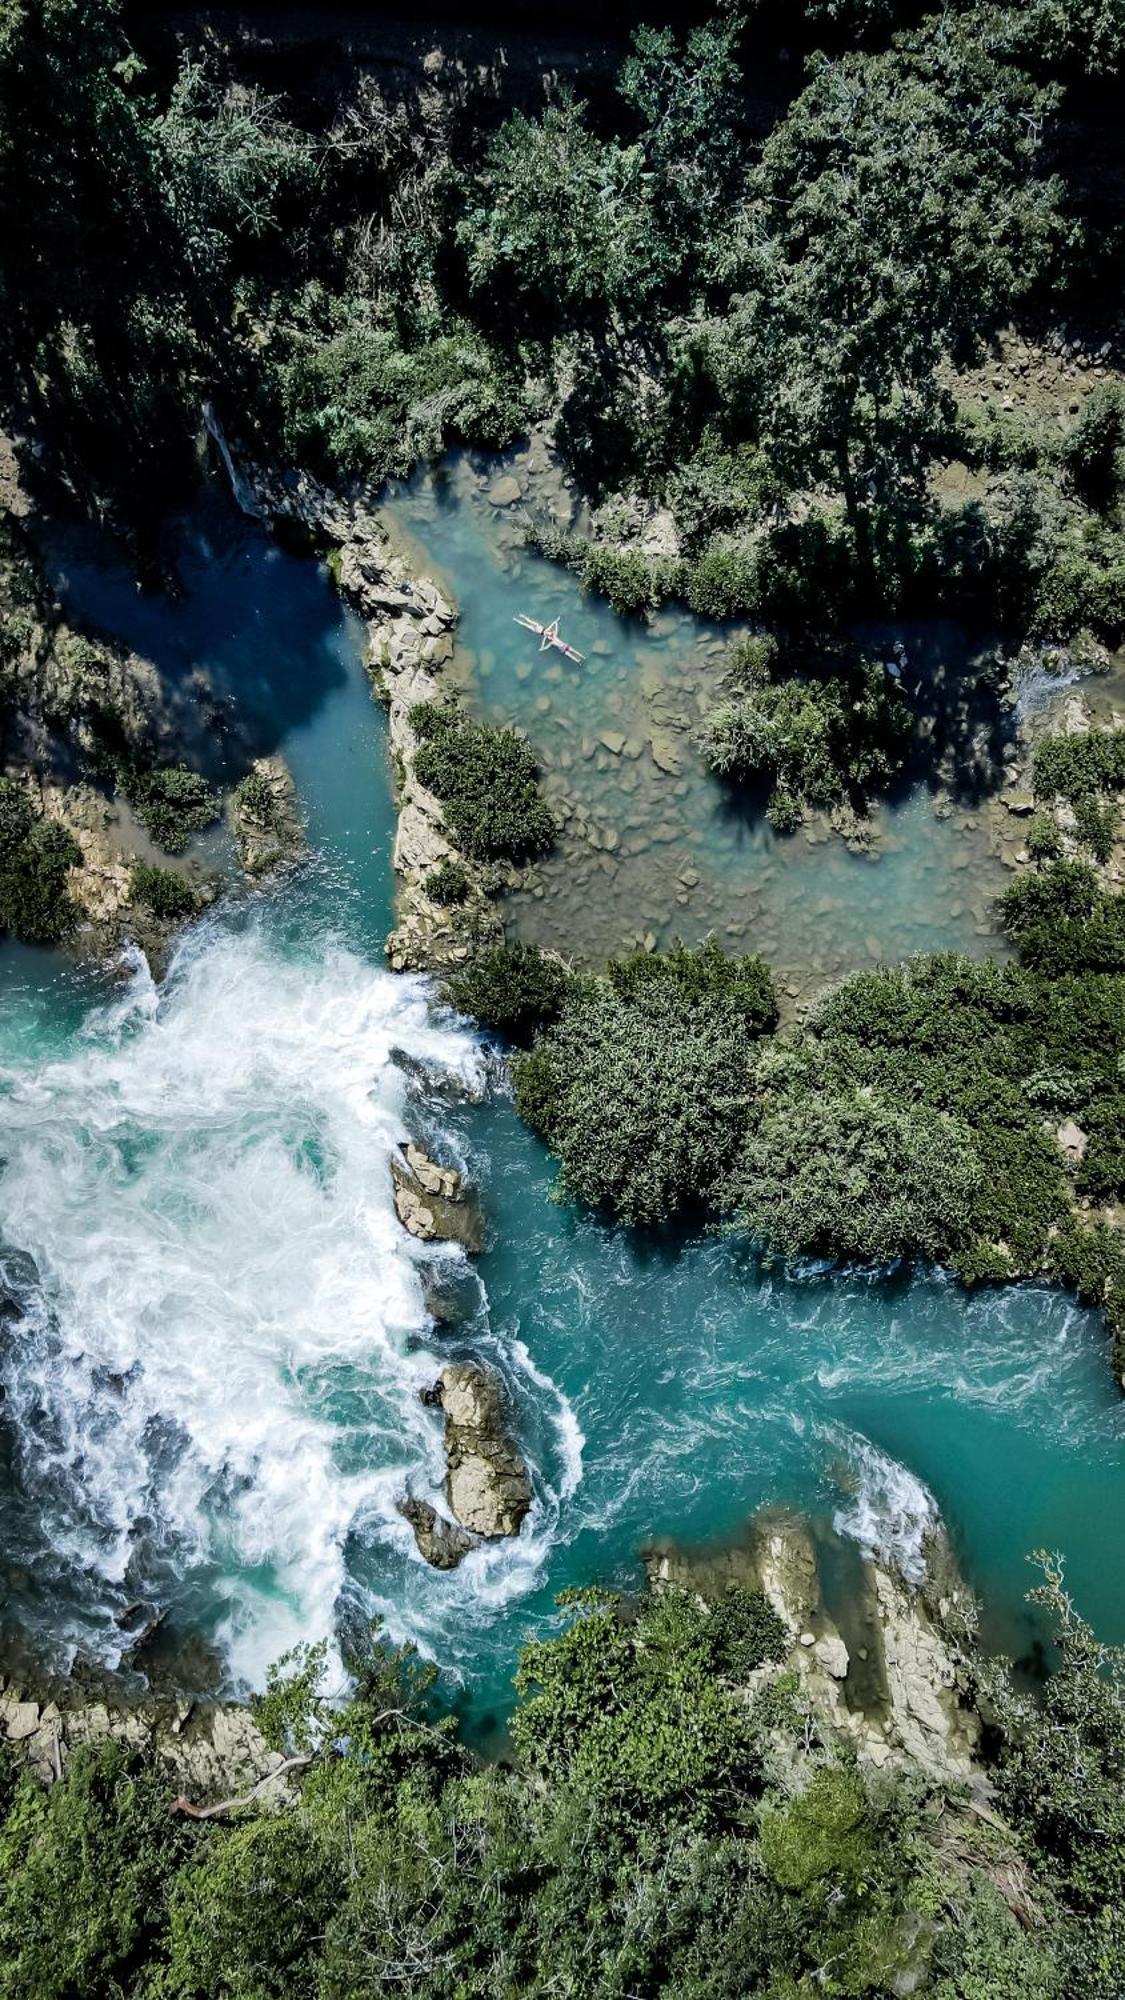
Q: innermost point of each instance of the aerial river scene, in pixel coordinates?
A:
(562, 1002)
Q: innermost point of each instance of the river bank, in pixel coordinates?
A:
(702, 1389)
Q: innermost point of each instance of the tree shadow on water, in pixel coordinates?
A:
(247, 641)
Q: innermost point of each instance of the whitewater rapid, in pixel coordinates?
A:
(213, 1333)
(224, 1328)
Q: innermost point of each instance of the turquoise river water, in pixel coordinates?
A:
(215, 1331)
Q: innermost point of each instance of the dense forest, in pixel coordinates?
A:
(762, 334)
(669, 1821)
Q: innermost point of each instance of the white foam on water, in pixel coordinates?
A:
(889, 1512)
(225, 1330)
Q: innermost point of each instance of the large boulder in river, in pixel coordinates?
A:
(431, 1203)
(265, 818)
(487, 1483)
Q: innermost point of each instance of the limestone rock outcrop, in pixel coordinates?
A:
(442, 1542)
(896, 1687)
(213, 1750)
(410, 638)
(265, 818)
(487, 1482)
(430, 1201)
(487, 1486)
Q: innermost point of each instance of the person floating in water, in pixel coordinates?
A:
(549, 636)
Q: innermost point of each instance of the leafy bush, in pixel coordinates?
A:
(744, 1633)
(447, 884)
(171, 801)
(641, 1087)
(1095, 826)
(513, 988)
(254, 796)
(1092, 454)
(1044, 838)
(991, 1049)
(35, 856)
(1061, 921)
(1062, 1757)
(825, 1834)
(355, 399)
(813, 741)
(1101, 1171)
(485, 779)
(85, 1873)
(847, 1174)
(164, 892)
(1074, 766)
(722, 581)
(603, 1708)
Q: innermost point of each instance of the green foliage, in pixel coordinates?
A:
(638, 1838)
(1062, 1758)
(35, 856)
(85, 1872)
(1095, 826)
(485, 778)
(557, 223)
(254, 796)
(170, 800)
(641, 1087)
(824, 1835)
(632, 1713)
(1073, 766)
(247, 1920)
(99, 317)
(845, 1174)
(1061, 921)
(447, 884)
(744, 1633)
(812, 741)
(164, 892)
(628, 580)
(354, 399)
(291, 1714)
(513, 988)
(1044, 838)
(945, 1059)
(859, 274)
(1092, 453)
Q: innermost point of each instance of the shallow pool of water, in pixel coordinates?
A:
(215, 1330)
(653, 846)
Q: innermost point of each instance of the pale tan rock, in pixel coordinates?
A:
(665, 753)
(20, 1719)
(833, 1656)
(487, 1483)
(1072, 1140)
(431, 1204)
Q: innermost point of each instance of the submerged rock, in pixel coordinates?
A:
(505, 491)
(487, 1484)
(431, 1204)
